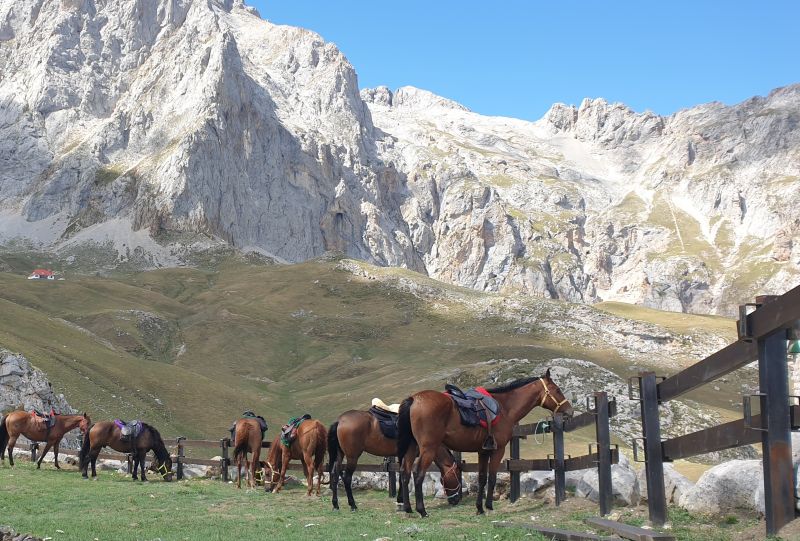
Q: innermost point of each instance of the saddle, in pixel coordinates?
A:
(130, 430)
(250, 415)
(47, 419)
(289, 430)
(380, 404)
(387, 419)
(476, 407)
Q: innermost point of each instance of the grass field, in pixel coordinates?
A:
(62, 506)
(190, 349)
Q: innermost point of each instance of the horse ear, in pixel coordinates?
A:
(547, 374)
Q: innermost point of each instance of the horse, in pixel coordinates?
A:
(23, 423)
(308, 447)
(247, 440)
(356, 432)
(108, 434)
(429, 419)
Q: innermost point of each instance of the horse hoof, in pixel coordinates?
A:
(353, 509)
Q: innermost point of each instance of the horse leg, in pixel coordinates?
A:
(252, 470)
(483, 466)
(142, 454)
(135, 466)
(308, 470)
(55, 454)
(426, 457)
(12, 441)
(285, 457)
(94, 454)
(494, 464)
(320, 475)
(405, 476)
(335, 469)
(47, 446)
(348, 482)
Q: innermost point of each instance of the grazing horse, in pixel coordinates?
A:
(23, 423)
(308, 447)
(429, 419)
(356, 432)
(108, 434)
(247, 440)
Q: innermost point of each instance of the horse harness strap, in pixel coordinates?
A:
(547, 395)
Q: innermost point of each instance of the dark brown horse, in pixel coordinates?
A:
(247, 439)
(108, 434)
(308, 447)
(429, 419)
(18, 423)
(356, 432)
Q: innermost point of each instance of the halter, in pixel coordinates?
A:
(260, 476)
(553, 398)
(162, 469)
(272, 474)
(458, 488)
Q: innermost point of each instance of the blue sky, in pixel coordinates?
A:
(516, 58)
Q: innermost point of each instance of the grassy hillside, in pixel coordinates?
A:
(190, 349)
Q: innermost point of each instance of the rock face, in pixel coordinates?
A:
(24, 387)
(160, 127)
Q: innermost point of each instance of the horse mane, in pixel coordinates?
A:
(159, 447)
(516, 384)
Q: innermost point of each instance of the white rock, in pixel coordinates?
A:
(727, 487)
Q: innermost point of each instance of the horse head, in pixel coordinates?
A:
(451, 475)
(552, 397)
(85, 423)
(163, 463)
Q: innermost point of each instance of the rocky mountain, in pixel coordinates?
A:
(156, 129)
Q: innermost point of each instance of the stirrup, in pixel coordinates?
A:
(489, 444)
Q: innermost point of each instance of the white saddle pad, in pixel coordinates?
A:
(393, 408)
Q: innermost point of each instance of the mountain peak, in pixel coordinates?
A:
(408, 97)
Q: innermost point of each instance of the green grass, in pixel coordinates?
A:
(675, 321)
(60, 505)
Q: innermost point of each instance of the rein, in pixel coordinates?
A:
(550, 396)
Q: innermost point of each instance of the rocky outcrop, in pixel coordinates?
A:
(24, 387)
(7, 533)
(155, 130)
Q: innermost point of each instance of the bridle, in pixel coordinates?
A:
(458, 488)
(547, 395)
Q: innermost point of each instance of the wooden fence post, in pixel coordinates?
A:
(558, 458)
(776, 438)
(34, 448)
(392, 477)
(223, 463)
(603, 452)
(179, 469)
(653, 454)
(514, 488)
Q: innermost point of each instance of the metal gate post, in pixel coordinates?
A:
(558, 456)
(776, 440)
(653, 454)
(224, 443)
(514, 488)
(603, 452)
(34, 448)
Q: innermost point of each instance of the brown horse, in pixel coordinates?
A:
(356, 432)
(23, 423)
(108, 434)
(308, 447)
(247, 439)
(430, 418)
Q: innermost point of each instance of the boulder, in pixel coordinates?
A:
(534, 481)
(675, 484)
(730, 486)
(623, 479)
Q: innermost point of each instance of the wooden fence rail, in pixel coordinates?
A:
(763, 328)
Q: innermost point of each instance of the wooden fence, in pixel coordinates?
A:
(764, 328)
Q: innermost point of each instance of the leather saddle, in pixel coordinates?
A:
(289, 430)
(49, 419)
(387, 419)
(476, 407)
(130, 430)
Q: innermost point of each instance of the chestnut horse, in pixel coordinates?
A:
(356, 432)
(23, 423)
(108, 434)
(308, 447)
(247, 439)
(429, 419)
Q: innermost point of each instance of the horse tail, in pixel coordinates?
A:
(3, 437)
(333, 446)
(242, 446)
(83, 456)
(405, 437)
